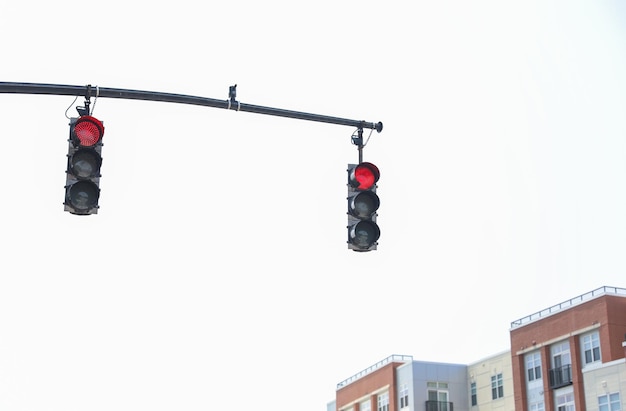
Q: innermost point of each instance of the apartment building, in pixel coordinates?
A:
(568, 357)
(399, 383)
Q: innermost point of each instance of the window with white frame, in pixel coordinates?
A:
(533, 366)
(591, 347)
(536, 406)
(437, 394)
(565, 401)
(383, 401)
(497, 386)
(365, 405)
(609, 402)
(404, 395)
(561, 354)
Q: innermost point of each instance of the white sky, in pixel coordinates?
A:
(216, 275)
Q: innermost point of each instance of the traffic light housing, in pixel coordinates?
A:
(84, 160)
(363, 203)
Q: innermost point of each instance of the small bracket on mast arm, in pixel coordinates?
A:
(232, 97)
(357, 140)
(84, 111)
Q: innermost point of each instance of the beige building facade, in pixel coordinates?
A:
(483, 378)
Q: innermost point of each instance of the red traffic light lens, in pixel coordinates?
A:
(88, 130)
(364, 176)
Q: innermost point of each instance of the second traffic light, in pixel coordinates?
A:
(363, 202)
(84, 159)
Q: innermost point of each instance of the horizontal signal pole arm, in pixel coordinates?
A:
(307, 116)
(90, 91)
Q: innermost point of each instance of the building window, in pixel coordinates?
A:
(591, 348)
(561, 354)
(565, 402)
(383, 402)
(365, 405)
(536, 406)
(437, 384)
(404, 395)
(497, 386)
(473, 393)
(437, 396)
(533, 366)
(609, 402)
(560, 374)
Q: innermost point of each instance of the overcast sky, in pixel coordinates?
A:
(216, 274)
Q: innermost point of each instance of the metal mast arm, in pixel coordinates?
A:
(229, 104)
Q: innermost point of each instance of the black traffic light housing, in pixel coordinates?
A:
(363, 203)
(84, 160)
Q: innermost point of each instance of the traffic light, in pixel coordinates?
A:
(363, 232)
(84, 159)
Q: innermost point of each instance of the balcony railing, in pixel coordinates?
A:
(439, 406)
(561, 376)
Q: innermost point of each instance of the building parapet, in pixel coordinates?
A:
(372, 368)
(567, 304)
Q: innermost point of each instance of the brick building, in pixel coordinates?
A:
(569, 357)
(399, 383)
(555, 351)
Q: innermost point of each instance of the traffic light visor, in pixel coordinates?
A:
(364, 234)
(88, 130)
(364, 176)
(83, 195)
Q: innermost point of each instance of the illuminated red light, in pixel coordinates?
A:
(365, 175)
(88, 130)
